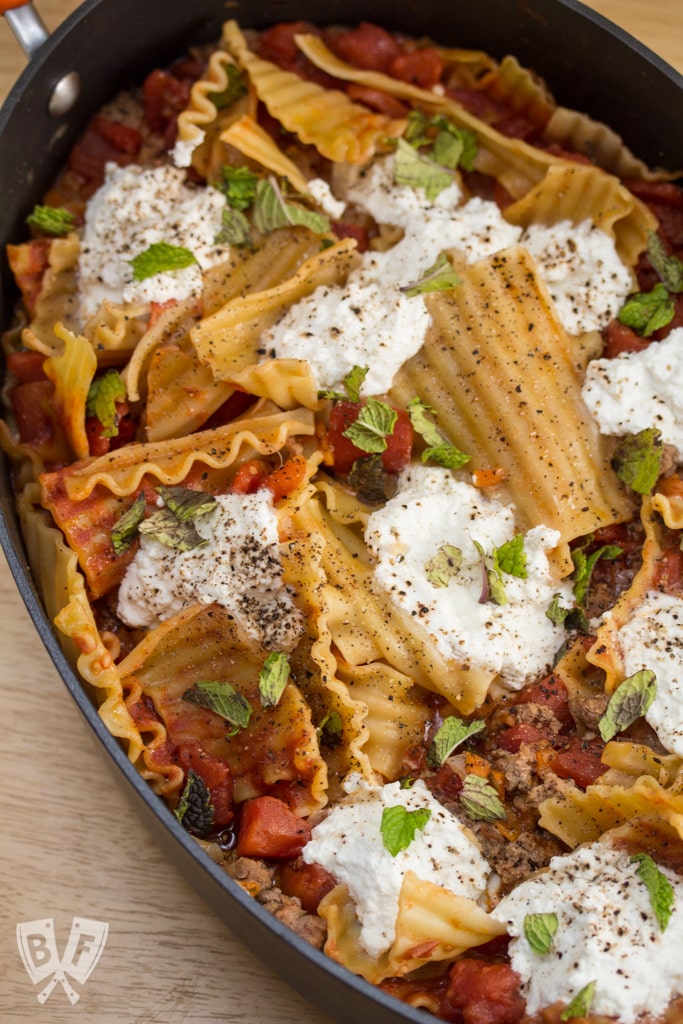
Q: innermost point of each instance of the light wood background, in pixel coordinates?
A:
(69, 843)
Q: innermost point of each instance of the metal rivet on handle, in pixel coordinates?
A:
(31, 34)
(64, 94)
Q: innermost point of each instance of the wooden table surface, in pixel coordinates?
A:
(69, 843)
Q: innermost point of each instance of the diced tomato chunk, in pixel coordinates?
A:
(163, 97)
(481, 993)
(277, 44)
(395, 457)
(31, 404)
(580, 760)
(423, 68)
(287, 477)
(269, 829)
(249, 477)
(125, 138)
(216, 775)
(522, 732)
(551, 693)
(27, 367)
(343, 229)
(367, 46)
(308, 882)
(383, 102)
(619, 338)
(28, 262)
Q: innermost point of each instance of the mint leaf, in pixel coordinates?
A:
(416, 129)
(556, 612)
(238, 185)
(236, 87)
(194, 810)
(637, 460)
(492, 586)
(271, 211)
(453, 147)
(445, 564)
(236, 230)
(399, 826)
(353, 382)
(165, 527)
(411, 168)
(658, 886)
(581, 1003)
(647, 312)
(185, 503)
(51, 220)
(452, 733)
(273, 679)
(160, 257)
(510, 557)
(438, 449)
(584, 565)
(374, 423)
(103, 394)
(223, 700)
(669, 268)
(539, 931)
(480, 800)
(125, 528)
(437, 278)
(630, 701)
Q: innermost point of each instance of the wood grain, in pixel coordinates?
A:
(69, 843)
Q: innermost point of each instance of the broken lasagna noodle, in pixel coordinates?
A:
(378, 598)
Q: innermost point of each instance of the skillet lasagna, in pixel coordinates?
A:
(344, 413)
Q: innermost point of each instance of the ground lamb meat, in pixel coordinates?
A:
(257, 878)
(514, 860)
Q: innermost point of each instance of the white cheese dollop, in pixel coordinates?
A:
(239, 568)
(653, 639)
(183, 151)
(349, 844)
(639, 389)
(135, 208)
(433, 509)
(607, 933)
(583, 271)
(324, 197)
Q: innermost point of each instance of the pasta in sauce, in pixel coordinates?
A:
(343, 418)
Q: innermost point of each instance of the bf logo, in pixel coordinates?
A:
(38, 947)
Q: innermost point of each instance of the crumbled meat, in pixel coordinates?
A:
(538, 715)
(513, 861)
(257, 879)
(519, 769)
(587, 711)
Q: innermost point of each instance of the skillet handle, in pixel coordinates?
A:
(30, 32)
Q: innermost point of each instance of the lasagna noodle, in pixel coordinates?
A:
(66, 603)
(325, 118)
(432, 925)
(115, 330)
(498, 368)
(72, 373)
(253, 142)
(181, 393)
(56, 300)
(519, 90)
(277, 751)
(175, 319)
(169, 462)
(201, 111)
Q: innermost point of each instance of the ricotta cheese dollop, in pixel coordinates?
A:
(349, 844)
(653, 639)
(137, 207)
(639, 389)
(607, 933)
(432, 510)
(239, 568)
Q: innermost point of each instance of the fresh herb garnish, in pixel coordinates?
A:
(438, 449)
(103, 394)
(480, 800)
(437, 278)
(126, 527)
(222, 699)
(238, 185)
(331, 729)
(51, 220)
(186, 503)
(159, 258)
(271, 211)
(539, 932)
(449, 736)
(373, 425)
(399, 826)
(668, 268)
(445, 564)
(411, 168)
(556, 612)
(510, 557)
(236, 230)
(194, 810)
(581, 1003)
(370, 480)
(585, 564)
(637, 460)
(658, 886)
(647, 312)
(164, 526)
(630, 701)
(450, 146)
(352, 383)
(273, 678)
